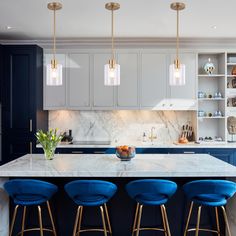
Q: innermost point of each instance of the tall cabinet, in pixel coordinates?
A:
(22, 100)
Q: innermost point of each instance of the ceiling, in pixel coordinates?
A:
(31, 20)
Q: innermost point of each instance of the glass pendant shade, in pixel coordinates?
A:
(111, 75)
(177, 75)
(54, 75)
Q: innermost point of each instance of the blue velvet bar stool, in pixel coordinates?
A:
(212, 193)
(151, 192)
(91, 193)
(26, 193)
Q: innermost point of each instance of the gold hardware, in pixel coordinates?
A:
(41, 229)
(112, 6)
(77, 152)
(31, 148)
(198, 229)
(137, 221)
(31, 125)
(105, 217)
(54, 6)
(152, 136)
(177, 6)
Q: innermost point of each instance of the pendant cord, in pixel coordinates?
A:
(177, 37)
(54, 34)
(112, 34)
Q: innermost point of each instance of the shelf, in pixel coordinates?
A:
(211, 99)
(210, 76)
(231, 90)
(231, 76)
(213, 117)
(231, 64)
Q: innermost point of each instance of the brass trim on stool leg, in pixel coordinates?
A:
(139, 219)
(135, 219)
(80, 220)
(166, 219)
(226, 220)
(51, 218)
(103, 221)
(40, 221)
(163, 220)
(217, 221)
(23, 222)
(76, 220)
(198, 220)
(13, 219)
(108, 218)
(188, 219)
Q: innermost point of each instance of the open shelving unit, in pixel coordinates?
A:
(211, 85)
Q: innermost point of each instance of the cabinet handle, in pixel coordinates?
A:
(189, 152)
(99, 152)
(31, 147)
(77, 152)
(31, 125)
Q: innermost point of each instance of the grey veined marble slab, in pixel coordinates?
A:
(108, 165)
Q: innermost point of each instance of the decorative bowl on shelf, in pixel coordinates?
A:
(125, 153)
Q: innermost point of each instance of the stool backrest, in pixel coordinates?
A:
(89, 189)
(151, 186)
(223, 188)
(18, 188)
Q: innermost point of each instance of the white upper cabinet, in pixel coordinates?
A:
(188, 91)
(153, 80)
(78, 81)
(55, 96)
(103, 96)
(127, 92)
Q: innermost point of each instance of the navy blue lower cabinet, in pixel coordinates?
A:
(186, 150)
(226, 154)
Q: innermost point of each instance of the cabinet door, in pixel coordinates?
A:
(153, 79)
(188, 91)
(226, 155)
(127, 93)
(55, 96)
(78, 81)
(103, 96)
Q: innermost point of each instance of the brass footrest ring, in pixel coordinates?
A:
(35, 229)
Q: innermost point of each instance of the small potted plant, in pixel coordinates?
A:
(49, 141)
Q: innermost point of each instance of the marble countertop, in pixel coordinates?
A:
(108, 165)
(154, 145)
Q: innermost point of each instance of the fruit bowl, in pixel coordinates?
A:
(125, 153)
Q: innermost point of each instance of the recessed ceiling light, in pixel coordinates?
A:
(8, 27)
(214, 27)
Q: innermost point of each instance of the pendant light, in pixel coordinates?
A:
(54, 70)
(177, 70)
(112, 69)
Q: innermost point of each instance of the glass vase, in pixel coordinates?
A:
(49, 153)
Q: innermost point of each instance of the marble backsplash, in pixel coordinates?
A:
(121, 127)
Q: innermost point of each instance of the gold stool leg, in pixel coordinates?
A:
(166, 219)
(198, 220)
(135, 219)
(163, 220)
(51, 218)
(139, 219)
(13, 219)
(76, 220)
(226, 220)
(108, 218)
(23, 222)
(40, 221)
(103, 221)
(80, 220)
(188, 219)
(217, 221)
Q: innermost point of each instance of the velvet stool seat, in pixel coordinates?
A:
(27, 193)
(212, 193)
(91, 193)
(151, 192)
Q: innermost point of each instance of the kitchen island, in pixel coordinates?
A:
(178, 167)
